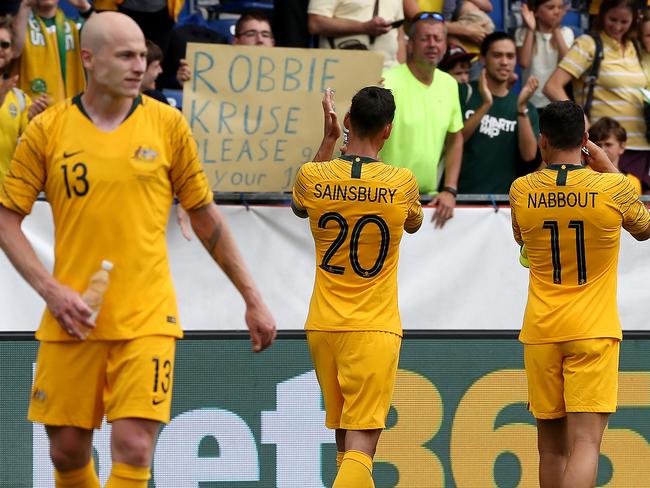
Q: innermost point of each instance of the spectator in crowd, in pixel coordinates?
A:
(428, 118)
(16, 108)
(135, 154)
(542, 42)
(457, 62)
(467, 22)
(496, 117)
(251, 29)
(47, 46)
(154, 59)
(610, 136)
(616, 92)
(366, 24)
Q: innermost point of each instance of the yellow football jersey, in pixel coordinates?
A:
(13, 120)
(110, 194)
(570, 218)
(357, 208)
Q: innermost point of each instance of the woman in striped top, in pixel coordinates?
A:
(617, 90)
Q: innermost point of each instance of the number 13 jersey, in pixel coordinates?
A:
(570, 219)
(357, 208)
(110, 194)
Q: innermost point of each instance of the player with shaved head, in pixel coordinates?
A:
(110, 161)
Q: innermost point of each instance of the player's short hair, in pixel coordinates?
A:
(605, 127)
(154, 53)
(253, 15)
(372, 109)
(7, 23)
(563, 124)
(492, 38)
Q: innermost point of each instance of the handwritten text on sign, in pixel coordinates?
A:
(255, 112)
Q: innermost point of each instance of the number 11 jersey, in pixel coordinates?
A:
(357, 208)
(570, 218)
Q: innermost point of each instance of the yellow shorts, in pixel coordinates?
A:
(76, 383)
(356, 372)
(573, 376)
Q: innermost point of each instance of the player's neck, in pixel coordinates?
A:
(498, 88)
(563, 157)
(107, 112)
(364, 148)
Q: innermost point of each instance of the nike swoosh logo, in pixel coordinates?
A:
(156, 401)
(67, 155)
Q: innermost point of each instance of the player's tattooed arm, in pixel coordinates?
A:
(213, 232)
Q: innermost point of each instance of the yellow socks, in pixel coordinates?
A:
(127, 476)
(339, 459)
(355, 471)
(78, 478)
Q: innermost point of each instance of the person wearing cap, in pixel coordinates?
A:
(428, 119)
(457, 62)
(495, 116)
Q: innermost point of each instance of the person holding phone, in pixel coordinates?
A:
(367, 24)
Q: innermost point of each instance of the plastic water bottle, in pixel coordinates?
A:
(97, 286)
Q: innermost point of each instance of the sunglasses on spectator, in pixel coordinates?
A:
(5, 44)
(254, 33)
(429, 15)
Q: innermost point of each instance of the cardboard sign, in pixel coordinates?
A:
(256, 112)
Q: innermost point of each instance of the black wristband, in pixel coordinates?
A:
(87, 13)
(451, 190)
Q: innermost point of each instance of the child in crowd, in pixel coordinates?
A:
(457, 62)
(608, 134)
(542, 42)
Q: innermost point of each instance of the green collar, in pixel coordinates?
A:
(357, 159)
(77, 101)
(567, 167)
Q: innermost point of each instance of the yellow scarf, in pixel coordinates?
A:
(40, 64)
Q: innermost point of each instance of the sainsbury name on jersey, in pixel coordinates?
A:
(560, 199)
(354, 193)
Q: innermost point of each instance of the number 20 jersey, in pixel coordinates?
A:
(357, 212)
(570, 219)
(110, 194)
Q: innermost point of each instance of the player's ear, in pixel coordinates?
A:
(543, 142)
(387, 130)
(86, 58)
(346, 121)
(585, 139)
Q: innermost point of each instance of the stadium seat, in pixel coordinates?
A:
(174, 97)
(225, 27)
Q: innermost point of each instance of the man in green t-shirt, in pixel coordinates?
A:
(501, 128)
(428, 119)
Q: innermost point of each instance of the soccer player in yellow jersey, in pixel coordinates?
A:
(110, 162)
(358, 208)
(569, 219)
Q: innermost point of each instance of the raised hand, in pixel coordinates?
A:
(528, 17)
(527, 92)
(484, 89)
(37, 106)
(183, 74)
